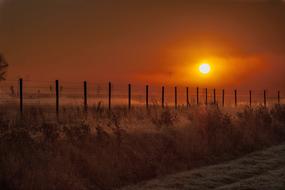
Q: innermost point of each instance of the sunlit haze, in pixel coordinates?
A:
(205, 68)
(146, 41)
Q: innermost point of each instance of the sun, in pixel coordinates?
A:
(205, 68)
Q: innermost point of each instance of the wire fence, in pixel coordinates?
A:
(63, 93)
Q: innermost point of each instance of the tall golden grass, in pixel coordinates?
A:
(107, 150)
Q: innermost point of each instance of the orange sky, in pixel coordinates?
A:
(158, 41)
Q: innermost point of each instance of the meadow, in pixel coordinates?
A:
(105, 149)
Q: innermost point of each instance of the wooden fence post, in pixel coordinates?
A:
(187, 97)
(85, 96)
(197, 95)
(214, 96)
(250, 98)
(175, 97)
(223, 97)
(146, 96)
(236, 98)
(57, 96)
(206, 102)
(278, 97)
(130, 96)
(110, 95)
(162, 97)
(21, 94)
(264, 98)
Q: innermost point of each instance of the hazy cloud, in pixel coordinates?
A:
(151, 39)
(2, 2)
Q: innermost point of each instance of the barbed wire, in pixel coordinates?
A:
(41, 90)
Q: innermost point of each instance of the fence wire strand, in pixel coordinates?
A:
(43, 93)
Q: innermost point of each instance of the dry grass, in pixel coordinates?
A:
(109, 150)
(261, 170)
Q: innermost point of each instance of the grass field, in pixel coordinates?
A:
(109, 150)
(261, 170)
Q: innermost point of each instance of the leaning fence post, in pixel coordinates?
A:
(236, 98)
(57, 95)
(264, 98)
(187, 96)
(250, 98)
(197, 95)
(130, 96)
(21, 94)
(175, 97)
(110, 95)
(223, 97)
(278, 97)
(214, 96)
(85, 96)
(206, 102)
(146, 96)
(162, 97)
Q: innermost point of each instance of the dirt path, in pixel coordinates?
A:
(264, 170)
